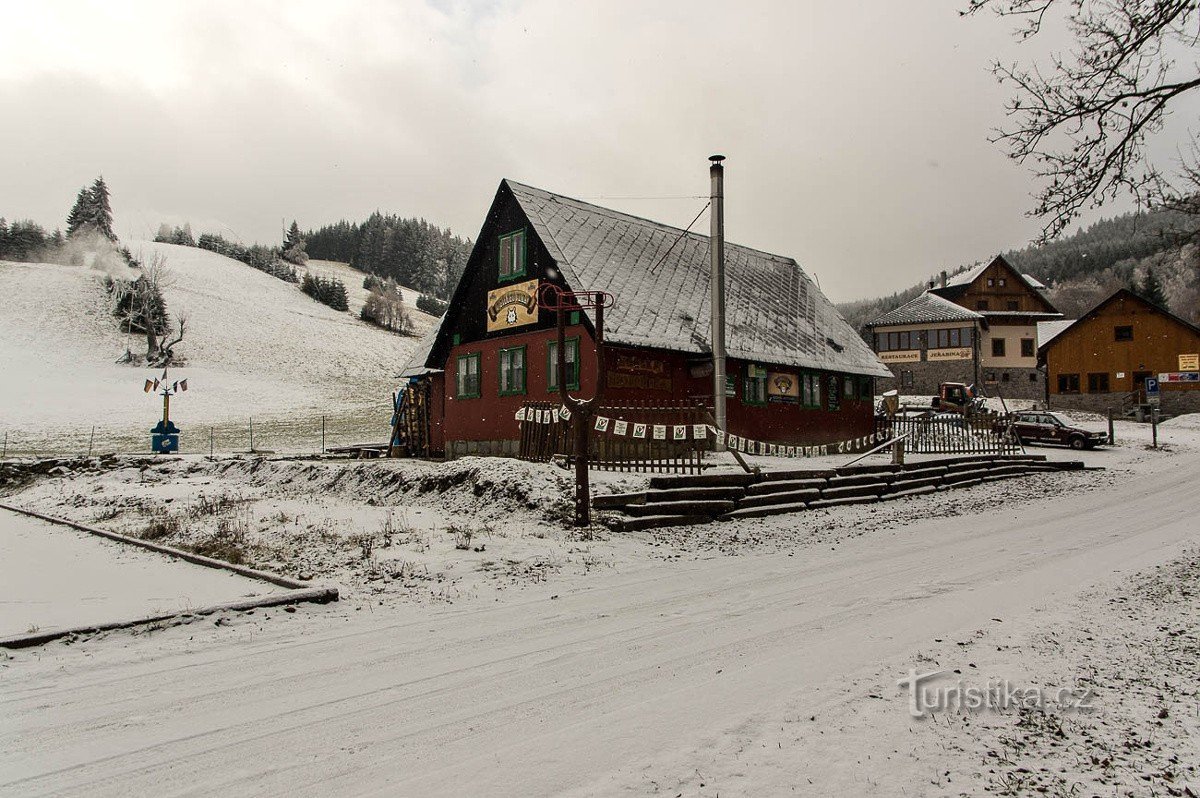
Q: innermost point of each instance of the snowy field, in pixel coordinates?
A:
(257, 348)
(54, 577)
(758, 657)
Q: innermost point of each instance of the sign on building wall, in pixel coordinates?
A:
(1179, 376)
(512, 306)
(903, 356)
(639, 372)
(1189, 362)
(961, 353)
(783, 388)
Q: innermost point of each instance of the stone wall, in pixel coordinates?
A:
(928, 376)
(456, 449)
(1022, 383)
(1174, 402)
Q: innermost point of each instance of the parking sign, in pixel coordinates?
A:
(1151, 386)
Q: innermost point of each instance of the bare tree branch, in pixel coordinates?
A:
(1082, 123)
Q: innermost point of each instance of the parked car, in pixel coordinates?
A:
(1041, 426)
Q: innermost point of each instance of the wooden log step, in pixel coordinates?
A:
(709, 508)
(612, 501)
(785, 486)
(658, 521)
(957, 477)
(859, 479)
(923, 490)
(788, 497)
(763, 512)
(846, 500)
(852, 491)
(788, 476)
(903, 484)
(693, 494)
(704, 481)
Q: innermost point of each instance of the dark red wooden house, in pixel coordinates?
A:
(798, 373)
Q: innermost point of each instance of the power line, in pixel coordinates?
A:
(681, 235)
(660, 197)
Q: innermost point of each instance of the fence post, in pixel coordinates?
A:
(323, 435)
(4, 455)
(1111, 440)
(92, 440)
(210, 441)
(1154, 427)
(251, 434)
(898, 452)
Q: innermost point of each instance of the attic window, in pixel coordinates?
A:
(512, 255)
(835, 345)
(1002, 282)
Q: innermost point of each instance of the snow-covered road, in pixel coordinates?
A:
(632, 682)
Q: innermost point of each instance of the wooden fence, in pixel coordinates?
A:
(540, 442)
(986, 433)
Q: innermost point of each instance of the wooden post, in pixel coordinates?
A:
(1111, 439)
(898, 452)
(4, 454)
(1154, 427)
(323, 437)
(251, 434)
(210, 442)
(91, 440)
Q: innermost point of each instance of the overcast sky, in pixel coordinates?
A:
(856, 132)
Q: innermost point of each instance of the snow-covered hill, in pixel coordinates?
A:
(256, 346)
(357, 295)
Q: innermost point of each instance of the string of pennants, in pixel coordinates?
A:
(695, 432)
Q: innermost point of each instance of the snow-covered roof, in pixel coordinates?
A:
(1034, 282)
(925, 309)
(660, 277)
(1049, 330)
(415, 365)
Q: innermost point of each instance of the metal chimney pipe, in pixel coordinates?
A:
(944, 275)
(717, 277)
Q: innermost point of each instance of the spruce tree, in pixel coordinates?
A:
(81, 212)
(1152, 289)
(101, 209)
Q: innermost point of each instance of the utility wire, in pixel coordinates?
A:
(680, 238)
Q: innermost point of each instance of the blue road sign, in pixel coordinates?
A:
(1151, 386)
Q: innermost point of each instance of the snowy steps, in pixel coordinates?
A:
(682, 500)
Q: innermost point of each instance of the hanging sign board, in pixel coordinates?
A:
(512, 306)
(1189, 362)
(783, 388)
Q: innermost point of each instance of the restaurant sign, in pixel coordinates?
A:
(512, 306)
(783, 388)
(958, 353)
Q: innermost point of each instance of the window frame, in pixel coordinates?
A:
(1117, 330)
(866, 388)
(459, 372)
(514, 274)
(1068, 379)
(1030, 344)
(810, 380)
(552, 363)
(748, 381)
(1094, 378)
(1003, 347)
(524, 370)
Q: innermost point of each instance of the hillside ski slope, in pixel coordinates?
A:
(256, 347)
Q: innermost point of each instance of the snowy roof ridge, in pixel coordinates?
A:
(660, 276)
(925, 309)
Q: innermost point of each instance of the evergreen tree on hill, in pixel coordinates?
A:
(1152, 289)
(293, 246)
(92, 210)
(81, 212)
(102, 210)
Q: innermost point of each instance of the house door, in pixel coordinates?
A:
(1139, 384)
